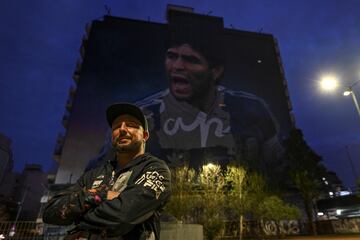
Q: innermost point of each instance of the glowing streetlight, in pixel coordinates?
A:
(209, 166)
(329, 83)
(347, 93)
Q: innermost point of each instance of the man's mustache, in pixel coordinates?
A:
(120, 137)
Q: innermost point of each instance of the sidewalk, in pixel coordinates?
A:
(326, 237)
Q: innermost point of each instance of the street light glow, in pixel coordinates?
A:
(347, 93)
(329, 83)
(210, 167)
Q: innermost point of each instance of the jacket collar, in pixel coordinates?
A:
(131, 163)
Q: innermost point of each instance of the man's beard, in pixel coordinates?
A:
(134, 146)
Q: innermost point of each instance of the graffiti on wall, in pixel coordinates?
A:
(348, 225)
(286, 227)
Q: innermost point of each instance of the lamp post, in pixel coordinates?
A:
(13, 227)
(349, 91)
(354, 172)
(330, 83)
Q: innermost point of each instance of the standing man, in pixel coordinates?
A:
(122, 198)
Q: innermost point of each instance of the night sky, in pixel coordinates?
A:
(40, 41)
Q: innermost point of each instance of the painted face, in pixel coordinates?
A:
(188, 72)
(127, 134)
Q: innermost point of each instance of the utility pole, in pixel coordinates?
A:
(354, 172)
(349, 91)
(13, 227)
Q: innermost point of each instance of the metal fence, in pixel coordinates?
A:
(38, 230)
(31, 230)
(20, 230)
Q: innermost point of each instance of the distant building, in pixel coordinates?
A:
(24, 188)
(338, 207)
(336, 202)
(8, 180)
(331, 185)
(6, 161)
(32, 185)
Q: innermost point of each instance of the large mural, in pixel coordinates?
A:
(210, 94)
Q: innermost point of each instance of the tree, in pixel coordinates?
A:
(198, 198)
(184, 198)
(305, 170)
(212, 183)
(249, 194)
(256, 193)
(212, 196)
(237, 193)
(273, 208)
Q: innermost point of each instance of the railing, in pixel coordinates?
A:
(31, 231)
(34, 231)
(262, 228)
(20, 230)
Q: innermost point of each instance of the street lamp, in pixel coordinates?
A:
(349, 91)
(20, 206)
(351, 163)
(329, 83)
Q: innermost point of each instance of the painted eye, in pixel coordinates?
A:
(171, 55)
(192, 59)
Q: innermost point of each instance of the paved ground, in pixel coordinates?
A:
(326, 237)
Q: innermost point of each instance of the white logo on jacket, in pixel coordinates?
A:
(153, 180)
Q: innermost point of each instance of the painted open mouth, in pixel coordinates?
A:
(180, 84)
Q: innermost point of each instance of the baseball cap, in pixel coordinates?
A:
(117, 109)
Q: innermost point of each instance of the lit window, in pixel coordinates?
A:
(344, 193)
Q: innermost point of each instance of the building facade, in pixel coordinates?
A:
(123, 60)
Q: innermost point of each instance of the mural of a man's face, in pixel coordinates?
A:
(189, 73)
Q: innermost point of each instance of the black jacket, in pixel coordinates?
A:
(144, 186)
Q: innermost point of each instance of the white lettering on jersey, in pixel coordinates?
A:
(178, 124)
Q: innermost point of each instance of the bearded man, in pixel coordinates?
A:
(121, 199)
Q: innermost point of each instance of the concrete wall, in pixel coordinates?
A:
(339, 226)
(179, 231)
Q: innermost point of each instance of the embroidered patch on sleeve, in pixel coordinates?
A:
(97, 182)
(154, 181)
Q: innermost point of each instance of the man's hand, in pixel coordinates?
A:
(95, 196)
(111, 195)
(92, 190)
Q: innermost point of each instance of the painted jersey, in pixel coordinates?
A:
(238, 127)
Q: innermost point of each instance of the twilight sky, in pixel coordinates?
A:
(40, 39)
